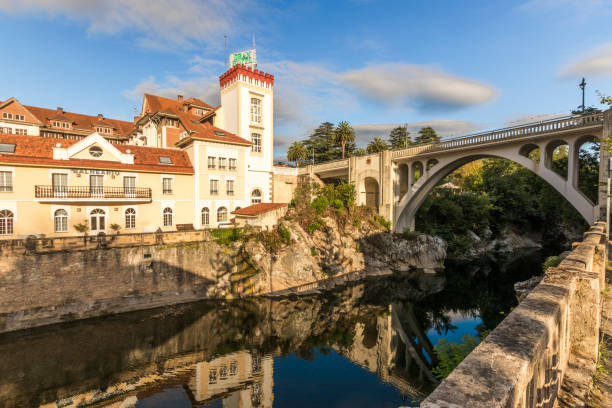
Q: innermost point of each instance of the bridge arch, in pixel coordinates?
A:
(406, 209)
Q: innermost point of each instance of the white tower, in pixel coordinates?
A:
(247, 100)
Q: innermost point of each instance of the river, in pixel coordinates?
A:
(369, 344)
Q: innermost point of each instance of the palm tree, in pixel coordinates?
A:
(297, 152)
(377, 145)
(344, 133)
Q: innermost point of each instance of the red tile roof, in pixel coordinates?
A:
(37, 150)
(257, 209)
(197, 102)
(198, 130)
(81, 122)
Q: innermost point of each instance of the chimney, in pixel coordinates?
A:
(100, 117)
(180, 98)
(60, 109)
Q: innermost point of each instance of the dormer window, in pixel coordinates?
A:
(165, 160)
(61, 124)
(199, 112)
(172, 123)
(101, 129)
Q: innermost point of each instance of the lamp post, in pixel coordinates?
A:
(582, 85)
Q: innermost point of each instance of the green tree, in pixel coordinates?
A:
(342, 134)
(322, 143)
(297, 152)
(427, 135)
(399, 138)
(377, 145)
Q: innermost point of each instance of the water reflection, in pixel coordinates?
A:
(226, 353)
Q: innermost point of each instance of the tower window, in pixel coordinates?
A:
(255, 110)
(256, 142)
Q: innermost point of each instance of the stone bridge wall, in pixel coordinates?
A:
(545, 351)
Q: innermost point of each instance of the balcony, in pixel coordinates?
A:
(92, 194)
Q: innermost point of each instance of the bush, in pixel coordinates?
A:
(226, 236)
(320, 204)
(385, 223)
(410, 235)
(284, 233)
(357, 223)
(313, 251)
(318, 224)
(550, 262)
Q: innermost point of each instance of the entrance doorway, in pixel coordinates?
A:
(97, 221)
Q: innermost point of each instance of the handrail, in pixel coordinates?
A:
(91, 192)
(502, 134)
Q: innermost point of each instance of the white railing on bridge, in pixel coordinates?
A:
(326, 166)
(501, 134)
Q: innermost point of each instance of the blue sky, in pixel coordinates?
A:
(460, 66)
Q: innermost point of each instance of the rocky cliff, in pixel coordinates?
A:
(342, 250)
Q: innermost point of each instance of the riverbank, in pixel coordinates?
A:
(49, 281)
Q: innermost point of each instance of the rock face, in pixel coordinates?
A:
(343, 252)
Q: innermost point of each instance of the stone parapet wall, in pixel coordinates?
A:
(39, 288)
(537, 355)
(76, 243)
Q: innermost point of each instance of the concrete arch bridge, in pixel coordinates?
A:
(397, 182)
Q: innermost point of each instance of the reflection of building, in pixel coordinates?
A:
(398, 351)
(241, 379)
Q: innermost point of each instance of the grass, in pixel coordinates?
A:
(227, 236)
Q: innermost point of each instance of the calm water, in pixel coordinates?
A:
(365, 345)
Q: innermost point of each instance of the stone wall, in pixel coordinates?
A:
(38, 288)
(545, 351)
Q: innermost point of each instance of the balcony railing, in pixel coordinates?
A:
(91, 192)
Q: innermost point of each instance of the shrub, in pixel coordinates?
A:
(357, 223)
(284, 233)
(410, 235)
(313, 251)
(318, 224)
(226, 236)
(385, 223)
(320, 204)
(550, 262)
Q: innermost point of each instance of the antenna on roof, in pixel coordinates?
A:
(253, 40)
(225, 50)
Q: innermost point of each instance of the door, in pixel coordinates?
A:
(97, 221)
(60, 184)
(129, 187)
(96, 186)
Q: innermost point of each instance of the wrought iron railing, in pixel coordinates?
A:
(91, 192)
(502, 134)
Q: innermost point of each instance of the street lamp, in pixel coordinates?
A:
(582, 85)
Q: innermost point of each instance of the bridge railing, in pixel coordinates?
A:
(502, 134)
(330, 165)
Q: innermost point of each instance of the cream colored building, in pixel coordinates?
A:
(181, 164)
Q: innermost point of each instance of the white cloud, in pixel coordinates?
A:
(419, 86)
(365, 132)
(597, 62)
(205, 88)
(159, 23)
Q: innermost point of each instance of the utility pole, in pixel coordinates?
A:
(582, 85)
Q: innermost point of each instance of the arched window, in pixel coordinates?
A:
(205, 216)
(60, 220)
(6, 222)
(256, 196)
(130, 218)
(222, 214)
(255, 142)
(167, 217)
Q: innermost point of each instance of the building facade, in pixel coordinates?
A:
(182, 163)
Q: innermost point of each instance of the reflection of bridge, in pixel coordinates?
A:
(397, 182)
